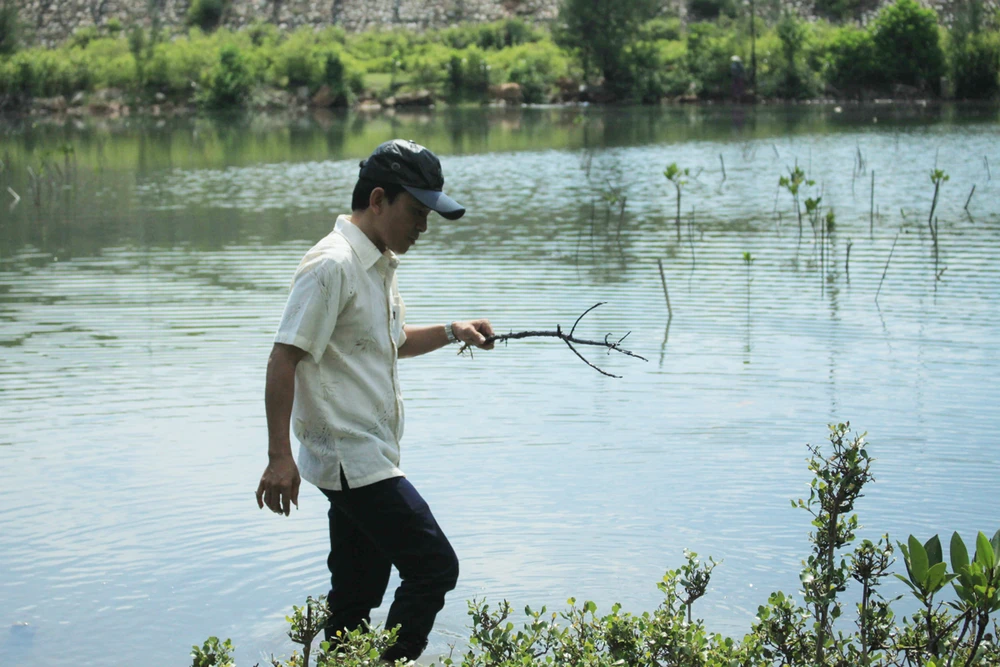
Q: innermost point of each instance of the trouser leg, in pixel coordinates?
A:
(359, 573)
(395, 519)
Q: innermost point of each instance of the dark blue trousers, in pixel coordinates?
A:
(373, 528)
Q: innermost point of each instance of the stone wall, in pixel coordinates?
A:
(52, 21)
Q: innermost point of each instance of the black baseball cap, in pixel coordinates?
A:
(417, 169)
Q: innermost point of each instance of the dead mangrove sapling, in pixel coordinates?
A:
(748, 260)
(971, 192)
(871, 210)
(663, 281)
(676, 175)
(886, 269)
(569, 339)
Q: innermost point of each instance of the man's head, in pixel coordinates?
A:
(398, 186)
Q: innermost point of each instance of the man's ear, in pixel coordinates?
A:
(376, 200)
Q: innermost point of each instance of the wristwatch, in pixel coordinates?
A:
(450, 333)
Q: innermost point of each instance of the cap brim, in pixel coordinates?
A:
(438, 201)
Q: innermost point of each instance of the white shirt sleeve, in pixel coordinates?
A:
(312, 308)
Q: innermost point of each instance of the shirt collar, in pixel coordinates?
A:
(363, 247)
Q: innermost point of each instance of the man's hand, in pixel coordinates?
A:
(474, 332)
(279, 485)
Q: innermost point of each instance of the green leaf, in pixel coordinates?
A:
(936, 577)
(984, 552)
(933, 548)
(918, 562)
(959, 554)
(995, 542)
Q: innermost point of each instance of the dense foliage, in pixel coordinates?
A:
(812, 632)
(612, 50)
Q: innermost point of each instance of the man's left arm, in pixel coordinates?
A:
(421, 340)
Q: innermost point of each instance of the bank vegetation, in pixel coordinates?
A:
(621, 51)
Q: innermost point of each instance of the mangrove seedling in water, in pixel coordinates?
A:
(676, 175)
(937, 178)
(793, 182)
(306, 623)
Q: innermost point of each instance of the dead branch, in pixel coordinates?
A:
(569, 339)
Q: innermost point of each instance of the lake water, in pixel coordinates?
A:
(144, 270)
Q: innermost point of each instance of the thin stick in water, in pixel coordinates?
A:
(971, 192)
(663, 280)
(871, 210)
(847, 262)
(886, 269)
(723, 162)
(986, 161)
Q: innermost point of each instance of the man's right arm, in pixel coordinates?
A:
(279, 485)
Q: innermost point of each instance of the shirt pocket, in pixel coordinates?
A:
(398, 319)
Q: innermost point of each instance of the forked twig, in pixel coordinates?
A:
(569, 339)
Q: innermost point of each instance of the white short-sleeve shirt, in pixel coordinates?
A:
(345, 311)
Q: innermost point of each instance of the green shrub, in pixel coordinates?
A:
(798, 80)
(113, 27)
(110, 63)
(206, 14)
(710, 49)
(489, 36)
(10, 27)
(975, 66)
(229, 81)
(297, 60)
(644, 79)
(468, 73)
(45, 73)
(851, 64)
(343, 77)
(907, 44)
(177, 67)
(535, 67)
(812, 633)
(263, 33)
(660, 29)
(974, 51)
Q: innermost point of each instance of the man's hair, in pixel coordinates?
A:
(363, 192)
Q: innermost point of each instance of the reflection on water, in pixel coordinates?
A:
(139, 296)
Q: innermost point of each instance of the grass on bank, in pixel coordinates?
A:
(904, 50)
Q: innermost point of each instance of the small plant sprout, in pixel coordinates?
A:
(306, 623)
(937, 178)
(678, 177)
(793, 183)
(695, 576)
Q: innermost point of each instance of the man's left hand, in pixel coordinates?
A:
(473, 332)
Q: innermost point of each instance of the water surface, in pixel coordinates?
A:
(145, 268)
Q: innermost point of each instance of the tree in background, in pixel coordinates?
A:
(974, 52)
(908, 45)
(601, 31)
(9, 27)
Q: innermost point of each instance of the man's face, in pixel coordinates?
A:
(405, 220)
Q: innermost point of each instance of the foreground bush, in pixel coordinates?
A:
(812, 633)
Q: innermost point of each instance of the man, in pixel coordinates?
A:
(332, 376)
